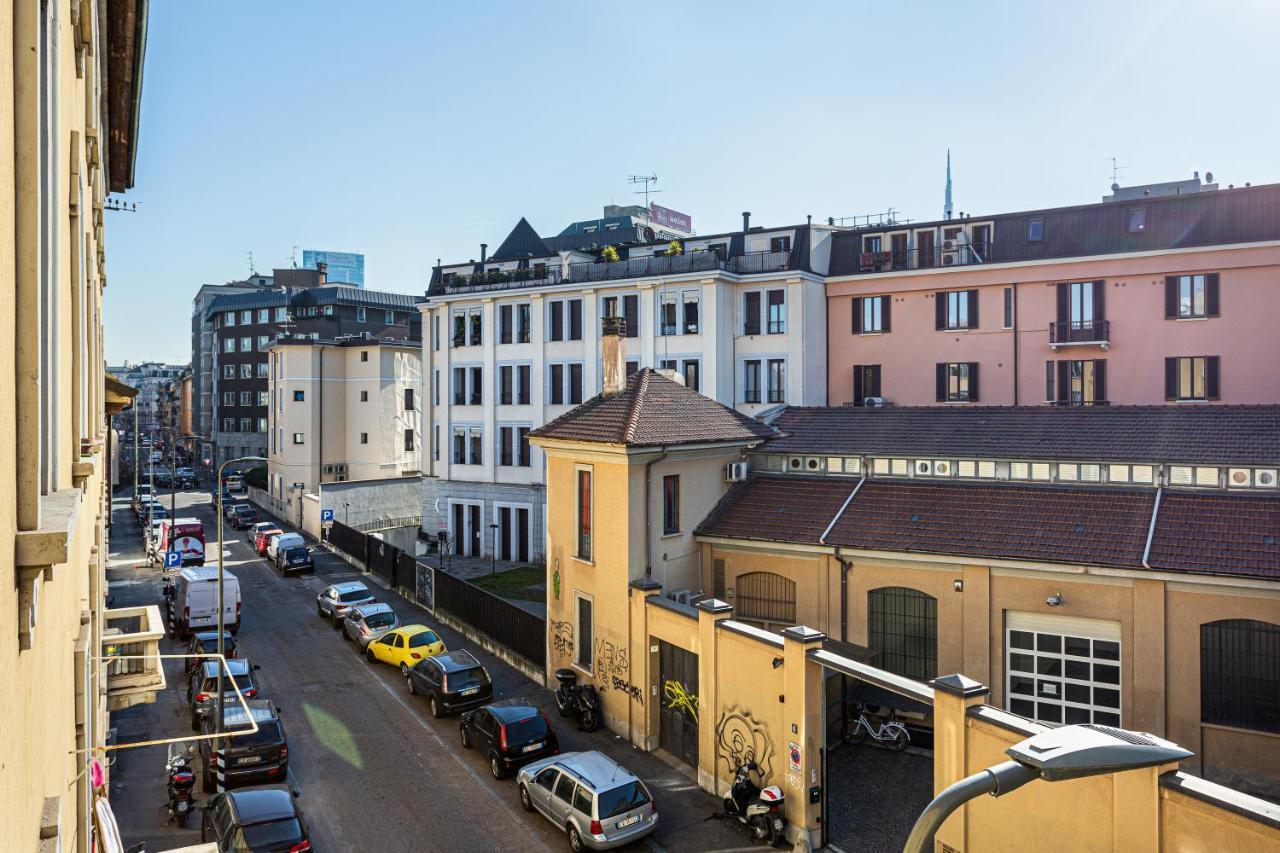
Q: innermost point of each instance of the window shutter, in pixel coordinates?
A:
(1211, 294)
(631, 311)
(885, 303)
(973, 309)
(940, 310)
(717, 578)
(1049, 394)
(1170, 297)
(973, 382)
(1064, 302)
(941, 383)
(1064, 382)
(857, 314)
(1171, 378)
(1100, 381)
(1211, 377)
(859, 392)
(1099, 301)
(874, 390)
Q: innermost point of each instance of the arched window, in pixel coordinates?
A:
(902, 625)
(1240, 674)
(766, 597)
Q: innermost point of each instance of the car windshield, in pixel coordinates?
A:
(354, 595)
(266, 836)
(423, 638)
(380, 620)
(268, 733)
(296, 554)
(528, 729)
(622, 799)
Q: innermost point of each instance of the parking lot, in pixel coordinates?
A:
(374, 770)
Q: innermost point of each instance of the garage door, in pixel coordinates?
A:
(1061, 670)
(678, 717)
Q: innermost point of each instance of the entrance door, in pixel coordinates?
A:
(473, 530)
(504, 532)
(459, 528)
(522, 534)
(678, 693)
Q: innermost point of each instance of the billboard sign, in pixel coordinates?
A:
(345, 267)
(664, 217)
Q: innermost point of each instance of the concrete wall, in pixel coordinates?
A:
(358, 503)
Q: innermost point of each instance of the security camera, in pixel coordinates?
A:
(1054, 600)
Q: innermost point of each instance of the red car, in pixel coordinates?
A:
(264, 536)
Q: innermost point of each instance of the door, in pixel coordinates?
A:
(522, 535)
(924, 249)
(504, 532)
(562, 799)
(473, 530)
(898, 244)
(459, 528)
(678, 693)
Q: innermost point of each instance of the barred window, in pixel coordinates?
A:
(902, 625)
(766, 597)
(1240, 674)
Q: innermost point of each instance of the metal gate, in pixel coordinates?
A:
(678, 694)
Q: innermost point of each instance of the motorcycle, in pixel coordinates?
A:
(758, 809)
(577, 700)
(182, 781)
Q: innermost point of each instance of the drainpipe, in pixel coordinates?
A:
(648, 514)
(1151, 528)
(845, 566)
(1015, 344)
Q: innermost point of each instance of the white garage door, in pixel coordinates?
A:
(1061, 669)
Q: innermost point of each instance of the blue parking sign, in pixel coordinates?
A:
(326, 515)
(172, 559)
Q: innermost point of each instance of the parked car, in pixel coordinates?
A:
(229, 509)
(226, 497)
(263, 538)
(293, 560)
(157, 510)
(202, 692)
(193, 600)
(591, 798)
(509, 734)
(244, 516)
(404, 647)
(451, 682)
(368, 622)
(336, 601)
(252, 758)
(264, 818)
(283, 541)
(206, 643)
(258, 527)
(162, 477)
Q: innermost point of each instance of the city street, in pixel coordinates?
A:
(374, 770)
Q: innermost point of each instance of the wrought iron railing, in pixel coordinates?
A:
(1080, 332)
(949, 254)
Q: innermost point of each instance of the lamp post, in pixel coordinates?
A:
(1069, 752)
(217, 722)
(493, 549)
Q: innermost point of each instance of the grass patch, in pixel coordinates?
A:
(515, 583)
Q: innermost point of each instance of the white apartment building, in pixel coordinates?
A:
(341, 410)
(513, 341)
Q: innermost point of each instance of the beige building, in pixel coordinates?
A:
(71, 81)
(340, 411)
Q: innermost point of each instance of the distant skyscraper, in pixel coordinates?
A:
(946, 203)
(344, 267)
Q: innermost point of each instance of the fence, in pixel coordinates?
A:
(513, 627)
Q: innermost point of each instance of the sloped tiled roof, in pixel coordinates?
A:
(778, 509)
(1210, 434)
(521, 242)
(1226, 534)
(653, 410)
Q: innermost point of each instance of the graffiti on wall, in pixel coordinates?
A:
(743, 738)
(562, 639)
(613, 668)
(678, 698)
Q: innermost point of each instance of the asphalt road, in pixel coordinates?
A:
(375, 771)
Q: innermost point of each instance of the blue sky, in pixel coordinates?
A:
(413, 131)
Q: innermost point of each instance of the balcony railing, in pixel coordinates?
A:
(757, 262)
(949, 254)
(131, 653)
(653, 265)
(1079, 333)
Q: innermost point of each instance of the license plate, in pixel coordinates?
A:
(471, 691)
(634, 819)
(250, 759)
(533, 747)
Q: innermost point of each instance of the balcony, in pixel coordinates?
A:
(643, 267)
(1069, 333)
(758, 262)
(131, 653)
(949, 254)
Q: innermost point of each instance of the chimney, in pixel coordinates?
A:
(484, 252)
(612, 357)
(322, 272)
(746, 221)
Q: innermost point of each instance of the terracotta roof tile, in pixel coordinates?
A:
(778, 509)
(1222, 534)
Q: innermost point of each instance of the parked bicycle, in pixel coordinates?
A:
(890, 732)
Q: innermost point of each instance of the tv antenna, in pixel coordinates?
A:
(122, 206)
(646, 180)
(1116, 169)
(293, 257)
(253, 270)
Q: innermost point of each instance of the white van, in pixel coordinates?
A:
(284, 542)
(193, 600)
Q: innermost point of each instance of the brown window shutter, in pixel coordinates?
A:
(1049, 394)
(1064, 302)
(1099, 301)
(941, 384)
(973, 382)
(1211, 387)
(857, 314)
(874, 390)
(885, 303)
(1100, 381)
(1211, 294)
(1064, 382)
(1170, 297)
(1171, 378)
(859, 393)
(940, 310)
(717, 577)
(973, 309)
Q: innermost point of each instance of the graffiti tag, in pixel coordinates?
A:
(623, 686)
(743, 738)
(678, 698)
(562, 638)
(611, 660)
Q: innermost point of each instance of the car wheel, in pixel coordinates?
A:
(464, 737)
(435, 707)
(333, 620)
(525, 802)
(575, 840)
(496, 768)
(413, 691)
(368, 654)
(319, 611)
(404, 670)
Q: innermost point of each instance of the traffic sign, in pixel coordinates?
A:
(172, 559)
(326, 515)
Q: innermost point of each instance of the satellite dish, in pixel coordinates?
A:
(1208, 177)
(649, 234)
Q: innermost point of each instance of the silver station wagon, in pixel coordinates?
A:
(593, 799)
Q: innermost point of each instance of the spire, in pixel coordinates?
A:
(946, 204)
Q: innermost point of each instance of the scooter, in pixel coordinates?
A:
(182, 781)
(577, 700)
(759, 809)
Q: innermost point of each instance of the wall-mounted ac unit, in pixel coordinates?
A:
(340, 468)
(924, 467)
(795, 463)
(812, 463)
(877, 402)
(682, 596)
(328, 469)
(1240, 477)
(942, 468)
(1265, 478)
(735, 472)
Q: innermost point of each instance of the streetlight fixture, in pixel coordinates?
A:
(493, 549)
(1069, 752)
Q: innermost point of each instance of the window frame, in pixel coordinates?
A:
(1259, 648)
(671, 505)
(584, 538)
(921, 665)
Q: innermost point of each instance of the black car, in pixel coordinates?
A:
(293, 560)
(251, 758)
(244, 516)
(255, 819)
(206, 643)
(452, 682)
(509, 734)
(203, 690)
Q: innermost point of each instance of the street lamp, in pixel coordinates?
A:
(493, 549)
(1069, 752)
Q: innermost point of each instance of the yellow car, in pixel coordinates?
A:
(405, 646)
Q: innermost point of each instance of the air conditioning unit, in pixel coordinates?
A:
(924, 467)
(681, 596)
(876, 402)
(1265, 478)
(341, 468)
(328, 469)
(795, 463)
(942, 468)
(366, 336)
(1240, 477)
(812, 463)
(735, 472)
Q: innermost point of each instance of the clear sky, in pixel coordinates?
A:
(411, 131)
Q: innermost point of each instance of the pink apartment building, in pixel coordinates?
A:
(1152, 300)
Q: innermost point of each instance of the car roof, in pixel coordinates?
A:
(212, 636)
(261, 710)
(235, 666)
(260, 805)
(415, 628)
(456, 661)
(510, 710)
(349, 586)
(595, 768)
(375, 608)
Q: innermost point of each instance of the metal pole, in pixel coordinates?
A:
(135, 447)
(998, 780)
(173, 474)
